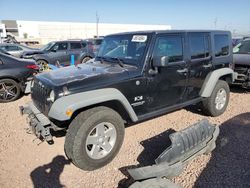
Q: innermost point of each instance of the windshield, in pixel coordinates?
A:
(242, 48)
(127, 47)
(47, 46)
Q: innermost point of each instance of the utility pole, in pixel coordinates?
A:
(97, 22)
(215, 22)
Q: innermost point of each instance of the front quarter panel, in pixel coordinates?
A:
(80, 100)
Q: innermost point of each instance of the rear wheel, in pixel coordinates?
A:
(85, 59)
(44, 66)
(216, 104)
(94, 138)
(9, 90)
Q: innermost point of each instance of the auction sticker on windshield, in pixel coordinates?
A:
(139, 38)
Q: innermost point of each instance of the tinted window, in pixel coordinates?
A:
(12, 48)
(170, 46)
(242, 48)
(60, 46)
(84, 44)
(221, 43)
(75, 45)
(98, 41)
(199, 46)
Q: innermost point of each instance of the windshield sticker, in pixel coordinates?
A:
(139, 38)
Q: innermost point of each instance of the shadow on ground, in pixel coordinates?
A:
(153, 147)
(229, 164)
(230, 161)
(48, 175)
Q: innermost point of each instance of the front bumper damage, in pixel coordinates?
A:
(39, 124)
(185, 145)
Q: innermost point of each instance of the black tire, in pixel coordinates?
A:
(79, 130)
(9, 90)
(209, 104)
(85, 59)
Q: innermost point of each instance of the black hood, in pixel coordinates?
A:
(241, 59)
(90, 75)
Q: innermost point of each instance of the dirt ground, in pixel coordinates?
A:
(23, 163)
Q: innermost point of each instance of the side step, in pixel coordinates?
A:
(186, 144)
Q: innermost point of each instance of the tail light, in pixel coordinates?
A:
(34, 67)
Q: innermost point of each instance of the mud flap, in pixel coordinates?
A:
(185, 145)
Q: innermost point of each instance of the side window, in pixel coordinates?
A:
(75, 45)
(170, 46)
(84, 44)
(221, 44)
(60, 46)
(199, 46)
(12, 48)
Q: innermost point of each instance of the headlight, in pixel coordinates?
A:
(52, 96)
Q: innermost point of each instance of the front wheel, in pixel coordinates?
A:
(216, 104)
(94, 138)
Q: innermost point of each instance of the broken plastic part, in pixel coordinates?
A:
(185, 145)
(155, 183)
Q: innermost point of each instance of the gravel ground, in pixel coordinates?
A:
(23, 163)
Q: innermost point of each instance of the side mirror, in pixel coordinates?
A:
(161, 61)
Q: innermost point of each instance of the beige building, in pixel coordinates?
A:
(49, 31)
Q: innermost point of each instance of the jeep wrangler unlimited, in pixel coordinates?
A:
(136, 76)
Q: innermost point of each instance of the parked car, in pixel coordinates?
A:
(15, 49)
(14, 75)
(242, 63)
(60, 52)
(135, 76)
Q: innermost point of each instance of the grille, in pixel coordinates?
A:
(39, 94)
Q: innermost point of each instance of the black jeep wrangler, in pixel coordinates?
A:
(136, 76)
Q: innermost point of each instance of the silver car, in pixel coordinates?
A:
(15, 49)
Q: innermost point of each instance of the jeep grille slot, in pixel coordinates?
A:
(39, 96)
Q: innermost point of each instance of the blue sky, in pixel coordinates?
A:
(180, 14)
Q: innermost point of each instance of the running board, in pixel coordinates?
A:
(186, 144)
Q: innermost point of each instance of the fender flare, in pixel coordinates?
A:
(212, 78)
(80, 100)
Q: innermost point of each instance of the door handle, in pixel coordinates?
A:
(181, 71)
(207, 66)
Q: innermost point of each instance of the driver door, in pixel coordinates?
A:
(59, 53)
(167, 87)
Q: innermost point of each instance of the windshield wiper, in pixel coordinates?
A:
(120, 61)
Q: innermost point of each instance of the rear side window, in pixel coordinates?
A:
(98, 41)
(84, 44)
(170, 46)
(60, 46)
(221, 44)
(12, 48)
(75, 45)
(199, 46)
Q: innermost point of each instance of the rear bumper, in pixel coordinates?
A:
(39, 124)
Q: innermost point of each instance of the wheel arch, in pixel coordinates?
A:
(225, 74)
(109, 97)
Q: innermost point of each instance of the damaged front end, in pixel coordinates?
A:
(185, 145)
(39, 124)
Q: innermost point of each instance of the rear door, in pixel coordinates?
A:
(200, 62)
(75, 50)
